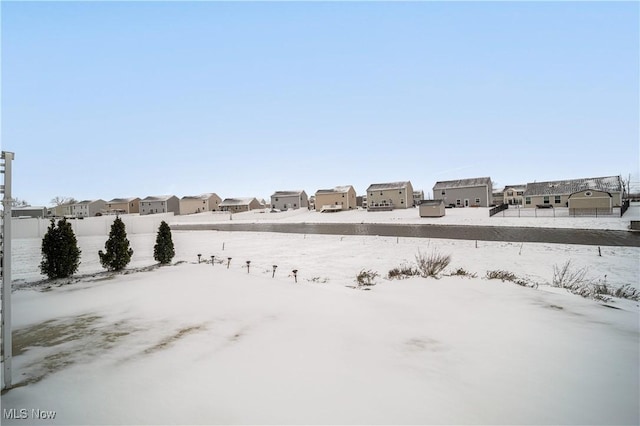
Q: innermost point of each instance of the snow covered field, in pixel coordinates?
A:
(202, 344)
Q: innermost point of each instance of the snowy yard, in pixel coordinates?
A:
(202, 344)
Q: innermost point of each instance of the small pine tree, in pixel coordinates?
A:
(60, 252)
(163, 251)
(118, 253)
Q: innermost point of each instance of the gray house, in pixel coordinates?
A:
(475, 192)
(284, 200)
(88, 208)
(160, 204)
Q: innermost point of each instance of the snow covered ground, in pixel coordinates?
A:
(206, 344)
(548, 218)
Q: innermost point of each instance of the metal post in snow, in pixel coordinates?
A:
(5, 265)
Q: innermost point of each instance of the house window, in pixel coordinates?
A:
(509, 193)
(442, 192)
(588, 194)
(477, 200)
(520, 193)
(527, 200)
(545, 199)
(557, 199)
(458, 202)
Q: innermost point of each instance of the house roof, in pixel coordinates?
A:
(123, 200)
(462, 183)
(566, 187)
(86, 202)
(158, 197)
(237, 201)
(296, 193)
(336, 190)
(389, 185)
(520, 187)
(199, 197)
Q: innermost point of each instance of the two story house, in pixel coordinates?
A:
(474, 192)
(389, 196)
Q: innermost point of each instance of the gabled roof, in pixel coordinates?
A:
(566, 187)
(520, 187)
(158, 197)
(237, 201)
(462, 183)
(86, 202)
(122, 200)
(296, 193)
(336, 190)
(390, 185)
(199, 197)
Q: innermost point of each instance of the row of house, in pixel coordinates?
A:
(601, 192)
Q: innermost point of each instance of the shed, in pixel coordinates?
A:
(432, 208)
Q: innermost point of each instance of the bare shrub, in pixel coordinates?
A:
(402, 272)
(366, 278)
(461, 272)
(510, 276)
(568, 277)
(433, 264)
(626, 292)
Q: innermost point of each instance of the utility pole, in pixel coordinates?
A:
(5, 267)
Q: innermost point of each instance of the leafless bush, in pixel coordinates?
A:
(626, 292)
(461, 272)
(509, 276)
(366, 278)
(402, 272)
(433, 264)
(568, 277)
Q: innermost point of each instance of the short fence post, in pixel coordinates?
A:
(274, 271)
(228, 262)
(295, 275)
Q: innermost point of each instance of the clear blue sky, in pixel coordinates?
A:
(106, 100)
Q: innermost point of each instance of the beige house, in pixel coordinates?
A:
(557, 193)
(237, 205)
(338, 198)
(200, 203)
(160, 204)
(432, 208)
(388, 196)
(514, 194)
(88, 208)
(63, 210)
(123, 206)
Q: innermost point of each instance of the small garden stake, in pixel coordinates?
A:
(274, 271)
(248, 263)
(295, 275)
(228, 262)
(199, 256)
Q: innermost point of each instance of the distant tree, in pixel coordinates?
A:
(60, 200)
(118, 253)
(16, 202)
(60, 253)
(163, 251)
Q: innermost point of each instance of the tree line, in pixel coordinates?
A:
(61, 255)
